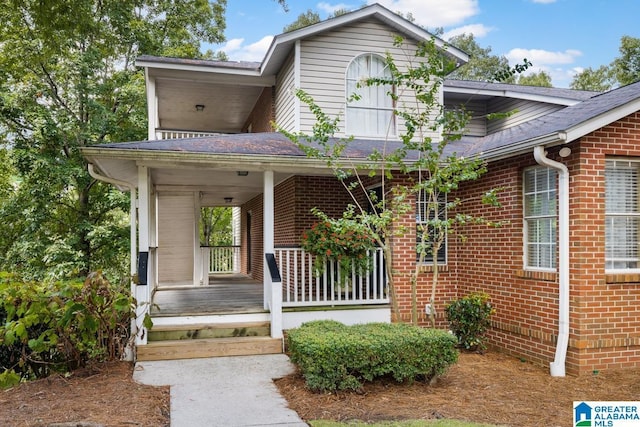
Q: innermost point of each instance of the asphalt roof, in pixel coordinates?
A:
(578, 95)
(276, 144)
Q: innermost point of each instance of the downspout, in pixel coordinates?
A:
(557, 367)
(134, 243)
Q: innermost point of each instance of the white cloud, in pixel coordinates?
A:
(433, 13)
(238, 51)
(544, 1)
(330, 8)
(478, 31)
(540, 57)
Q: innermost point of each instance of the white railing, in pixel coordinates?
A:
(303, 285)
(219, 259)
(178, 134)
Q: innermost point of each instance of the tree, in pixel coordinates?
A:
(541, 79)
(425, 178)
(304, 20)
(626, 67)
(215, 226)
(67, 80)
(482, 66)
(599, 80)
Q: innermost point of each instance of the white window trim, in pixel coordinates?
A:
(525, 231)
(393, 132)
(629, 163)
(446, 238)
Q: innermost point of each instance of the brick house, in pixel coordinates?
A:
(562, 273)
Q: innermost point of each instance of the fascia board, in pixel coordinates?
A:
(582, 129)
(512, 94)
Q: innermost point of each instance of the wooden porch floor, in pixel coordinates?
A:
(226, 294)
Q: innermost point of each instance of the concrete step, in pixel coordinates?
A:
(208, 347)
(207, 330)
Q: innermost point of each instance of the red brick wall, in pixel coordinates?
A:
(263, 113)
(604, 309)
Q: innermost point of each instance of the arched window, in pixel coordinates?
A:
(372, 113)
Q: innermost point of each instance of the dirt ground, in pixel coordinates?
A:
(490, 388)
(104, 395)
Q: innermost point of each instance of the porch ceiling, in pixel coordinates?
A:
(215, 185)
(227, 99)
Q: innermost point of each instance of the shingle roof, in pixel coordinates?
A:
(578, 95)
(276, 144)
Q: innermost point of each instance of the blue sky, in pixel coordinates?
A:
(561, 37)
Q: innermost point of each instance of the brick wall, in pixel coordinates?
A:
(263, 113)
(604, 313)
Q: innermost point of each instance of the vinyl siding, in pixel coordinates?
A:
(176, 224)
(285, 99)
(526, 110)
(324, 60)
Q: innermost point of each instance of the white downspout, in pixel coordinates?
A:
(134, 244)
(557, 367)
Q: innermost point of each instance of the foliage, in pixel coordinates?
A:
(215, 226)
(623, 70)
(469, 319)
(345, 240)
(540, 79)
(435, 170)
(310, 17)
(332, 356)
(482, 65)
(68, 80)
(599, 80)
(58, 326)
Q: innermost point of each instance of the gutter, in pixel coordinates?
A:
(134, 243)
(557, 367)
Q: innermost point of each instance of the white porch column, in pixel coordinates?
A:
(143, 291)
(152, 106)
(272, 291)
(198, 269)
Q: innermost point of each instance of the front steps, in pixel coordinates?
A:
(197, 340)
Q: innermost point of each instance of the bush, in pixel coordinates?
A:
(60, 326)
(332, 356)
(469, 319)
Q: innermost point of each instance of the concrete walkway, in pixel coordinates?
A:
(223, 391)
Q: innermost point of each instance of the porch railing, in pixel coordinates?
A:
(220, 259)
(177, 134)
(304, 285)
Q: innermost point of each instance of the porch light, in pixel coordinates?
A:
(243, 173)
(228, 199)
(199, 107)
(564, 152)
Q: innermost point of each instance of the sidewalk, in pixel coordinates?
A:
(223, 391)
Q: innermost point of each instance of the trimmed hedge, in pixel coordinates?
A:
(333, 356)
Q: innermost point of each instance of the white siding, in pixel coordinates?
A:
(477, 125)
(176, 225)
(324, 60)
(285, 99)
(526, 110)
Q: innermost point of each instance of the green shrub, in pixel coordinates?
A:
(469, 319)
(332, 356)
(60, 326)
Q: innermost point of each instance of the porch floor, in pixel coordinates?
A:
(225, 294)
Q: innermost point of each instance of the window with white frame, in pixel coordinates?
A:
(540, 218)
(425, 212)
(622, 215)
(371, 114)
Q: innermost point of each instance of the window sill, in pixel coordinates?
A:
(546, 276)
(428, 268)
(622, 277)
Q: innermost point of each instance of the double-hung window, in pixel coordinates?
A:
(622, 215)
(540, 218)
(428, 212)
(371, 112)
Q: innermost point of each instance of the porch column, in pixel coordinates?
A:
(198, 266)
(152, 106)
(145, 279)
(272, 291)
